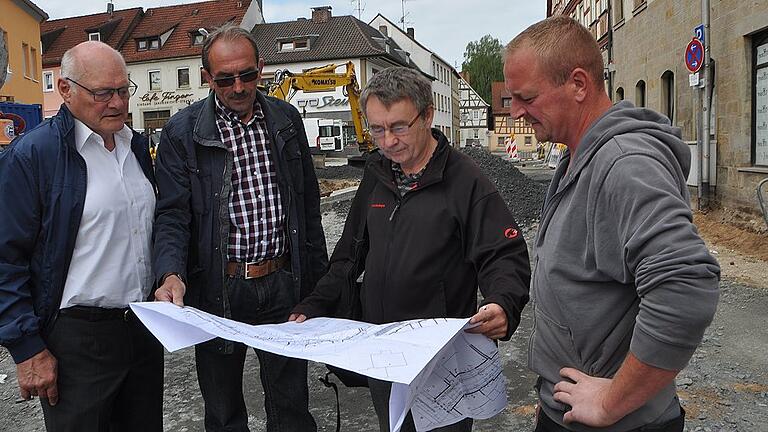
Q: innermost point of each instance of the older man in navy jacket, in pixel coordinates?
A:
(78, 200)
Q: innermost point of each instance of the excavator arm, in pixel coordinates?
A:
(326, 78)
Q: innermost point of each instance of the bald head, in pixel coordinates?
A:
(87, 57)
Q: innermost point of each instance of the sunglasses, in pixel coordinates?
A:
(245, 77)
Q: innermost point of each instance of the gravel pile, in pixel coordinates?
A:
(523, 196)
(339, 172)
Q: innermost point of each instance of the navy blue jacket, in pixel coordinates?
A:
(43, 181)
(194, 171)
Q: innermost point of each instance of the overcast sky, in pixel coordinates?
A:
(443, 26)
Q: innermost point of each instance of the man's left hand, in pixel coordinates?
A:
(585, 395)
(491, 320)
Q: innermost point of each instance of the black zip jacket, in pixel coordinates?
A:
(429, 251)
(192, 218)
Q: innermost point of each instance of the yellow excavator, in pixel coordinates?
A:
(325, 78)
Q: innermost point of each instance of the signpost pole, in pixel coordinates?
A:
(705, 109)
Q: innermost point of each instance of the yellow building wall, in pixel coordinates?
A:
(21, 30)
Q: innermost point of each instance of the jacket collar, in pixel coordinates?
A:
(207, 133)
(382, 166)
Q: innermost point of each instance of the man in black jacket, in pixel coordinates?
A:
(437, 229)
(238, 230)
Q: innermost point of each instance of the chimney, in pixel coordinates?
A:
(321, 14)
(383, 30)
(110, 8)
(409, 30)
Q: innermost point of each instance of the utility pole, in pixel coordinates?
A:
(705, 109)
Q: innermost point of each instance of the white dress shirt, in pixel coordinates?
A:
(111, 262)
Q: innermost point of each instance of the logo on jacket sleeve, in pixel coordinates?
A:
(511, 233)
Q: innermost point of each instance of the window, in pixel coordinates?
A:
(149, 43)
(528, 140)
(760, 99)
(475, 115)
(506, 102)
(668, 95)
(48, 81)
(618, 11)
(638, 5)
(25, 51)
(620, 94)
(301, 44)
(154, 80)
(94, 36)
(156, 119)
(640, 94)
(286, 46)
(154, 43)
(198, 39)
(476, 133)
(141, 45)
(33, 63)
(501, 141)
(182, 77)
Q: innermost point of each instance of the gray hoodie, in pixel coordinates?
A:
(618, 263)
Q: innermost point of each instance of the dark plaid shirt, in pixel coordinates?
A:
(406, 182)
(256, 216)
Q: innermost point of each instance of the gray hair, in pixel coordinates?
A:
(72, 66)
(398, 83)
(227, 32)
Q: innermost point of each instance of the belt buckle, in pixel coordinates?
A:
(245, 270)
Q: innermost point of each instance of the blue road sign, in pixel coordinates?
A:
(698, 33)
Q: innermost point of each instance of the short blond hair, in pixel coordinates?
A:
(562, 45)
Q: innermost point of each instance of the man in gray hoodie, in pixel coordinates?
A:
(623, 286)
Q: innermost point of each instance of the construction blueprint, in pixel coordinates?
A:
(438, 371)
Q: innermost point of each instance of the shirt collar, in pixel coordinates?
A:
(227, 114)
(83, 133)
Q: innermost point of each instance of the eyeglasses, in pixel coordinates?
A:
(229, 81)
(397, 130)
(105, 95)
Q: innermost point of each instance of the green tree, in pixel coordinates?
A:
(483, 62)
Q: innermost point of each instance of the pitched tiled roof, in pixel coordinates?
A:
(338, 38)
(184, 20)
(62, 34)
(499, 91)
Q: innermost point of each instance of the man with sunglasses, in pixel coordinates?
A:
(238, 231)
(437, 229)
(75, 243)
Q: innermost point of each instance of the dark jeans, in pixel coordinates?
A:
(266, 300)
(110, 376)
(380, 395)
(546, 424)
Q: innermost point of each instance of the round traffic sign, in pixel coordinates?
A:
(694, 55)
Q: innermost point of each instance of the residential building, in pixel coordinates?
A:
(474, 116)
(445, 79)
(649, 39)
(321, 40)
(163, 53)
(111, 27)
(20, 29)
(162, 48)
(504, 126)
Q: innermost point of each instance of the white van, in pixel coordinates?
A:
(324, 135)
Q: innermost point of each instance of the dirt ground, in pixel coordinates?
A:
(740, 247)
(329, 185)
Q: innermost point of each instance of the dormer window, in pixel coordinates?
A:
(301, 44)
(198, 39)
(94, 36)
(152, 43)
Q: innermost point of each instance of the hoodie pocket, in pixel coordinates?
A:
(551, 347)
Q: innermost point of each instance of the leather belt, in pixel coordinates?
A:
(92, 313)
(258, 269)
